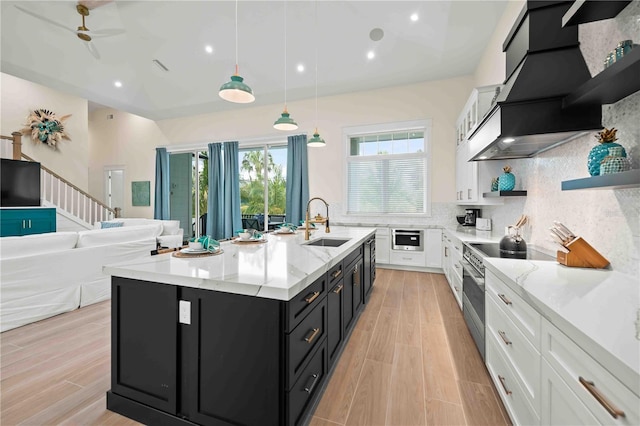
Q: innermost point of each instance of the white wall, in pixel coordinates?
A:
(125, 140)
(440, 101)
(70, 158)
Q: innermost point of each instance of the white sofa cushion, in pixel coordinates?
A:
(170, 227)
(99, 237)
(11, 247)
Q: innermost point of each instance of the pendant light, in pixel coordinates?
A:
(316, 140)
(236, 90)
(285, 122)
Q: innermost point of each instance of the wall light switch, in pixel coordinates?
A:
(185, 312)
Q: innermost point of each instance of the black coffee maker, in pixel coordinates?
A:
(470, 216)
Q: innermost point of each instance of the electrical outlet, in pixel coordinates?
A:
(184, 312)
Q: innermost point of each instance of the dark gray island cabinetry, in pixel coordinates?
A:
(186, 355)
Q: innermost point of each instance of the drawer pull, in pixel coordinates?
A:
(313, 379)
(503, 385)
(504, 337)
(504, 299)
(338, 289)
(612, 409)
(456, 288)
(312, 336)
(313, 296)
(336, 274)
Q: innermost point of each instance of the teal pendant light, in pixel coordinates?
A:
(285, 122)
(236, 90)
(316, 140)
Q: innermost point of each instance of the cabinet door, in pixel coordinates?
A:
(16, 222)
(335, 329)
(232, 353)
(560, 406)
(144, 327)
(382, 249)
(433, 248)
(355, 280)
(347, 302)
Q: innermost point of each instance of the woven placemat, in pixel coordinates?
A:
(192, 255)
(236, 241)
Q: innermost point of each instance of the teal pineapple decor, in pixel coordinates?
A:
(506, 181)
(606, 140)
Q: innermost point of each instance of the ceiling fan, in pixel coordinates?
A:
(83, 33)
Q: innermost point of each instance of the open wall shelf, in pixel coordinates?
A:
(495, 194)
(583, 11)
(628, 179)
(618, 81)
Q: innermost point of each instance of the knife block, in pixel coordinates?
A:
(581, 255)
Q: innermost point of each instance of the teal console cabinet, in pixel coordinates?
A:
(27, 221)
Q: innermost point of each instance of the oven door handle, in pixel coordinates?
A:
(478, 279)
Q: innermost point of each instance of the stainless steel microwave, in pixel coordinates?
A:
(407, 239)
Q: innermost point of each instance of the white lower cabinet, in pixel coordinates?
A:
(451, 256)
(433, 248)
(383, 245)
(407, 258)
(606, 399)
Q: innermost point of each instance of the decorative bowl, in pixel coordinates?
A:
(460, 219)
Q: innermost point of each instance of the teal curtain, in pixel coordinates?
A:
(223, 203)
(232, 217)
(215, 195)
(297, 178)
(161, 199)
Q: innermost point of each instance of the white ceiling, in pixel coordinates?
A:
(446, 41)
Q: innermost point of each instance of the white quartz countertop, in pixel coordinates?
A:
(278, 269)
(599, 309)
(470, 234)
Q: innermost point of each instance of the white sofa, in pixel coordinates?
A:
(47, 274)
(171, 235)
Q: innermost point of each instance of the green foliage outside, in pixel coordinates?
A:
(252, 184)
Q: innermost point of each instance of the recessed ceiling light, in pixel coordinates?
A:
(376, 34)
(414, 17)
(484, 157)
(117, 83)
(300, 67)
(508, 140)
(208, 49)
(371, 54)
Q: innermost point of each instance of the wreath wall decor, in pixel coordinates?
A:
(45, 127)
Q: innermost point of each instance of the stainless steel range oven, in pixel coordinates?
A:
(407, 239)
(473, 284)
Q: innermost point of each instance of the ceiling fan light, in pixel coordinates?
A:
(316, 141)
(236, 91)
(285, 122)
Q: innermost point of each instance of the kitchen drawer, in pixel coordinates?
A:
(408, 258)
(351, 257)
(456, 287)
(304, 338)
(571, 363)
(515, 400)
(521, 313)
(517, 349)
(335, 273)
(307, 386)
(456, 247)
(298, 307)
(456, 269)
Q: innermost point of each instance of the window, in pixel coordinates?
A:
(387, 171)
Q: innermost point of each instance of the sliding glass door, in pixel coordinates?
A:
(263, 181)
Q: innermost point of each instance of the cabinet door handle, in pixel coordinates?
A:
(455, 265)
(356, 278)
(503, 385)
(611, 409)
(312, 336)
(468, 194)
(504, 299)
(29, 223)
(24, 223)
(338, 289)
(456, 288)
(313, 379)
(311, 297)
(504, 337)
(446, 252)
(336, 274)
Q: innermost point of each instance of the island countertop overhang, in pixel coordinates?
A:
(279, 269)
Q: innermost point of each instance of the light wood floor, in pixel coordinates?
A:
(410, 361)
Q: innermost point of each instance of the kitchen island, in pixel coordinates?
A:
(248, 336)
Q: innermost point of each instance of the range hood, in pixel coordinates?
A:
(544, 64)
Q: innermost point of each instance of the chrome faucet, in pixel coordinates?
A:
(307, 218)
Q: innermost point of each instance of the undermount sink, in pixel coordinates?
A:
(327, 242)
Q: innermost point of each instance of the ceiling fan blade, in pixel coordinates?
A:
(92, 49)
(107, 32)
(45, 19)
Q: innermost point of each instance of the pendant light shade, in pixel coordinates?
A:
(236, 90)
(285, 122)
(316, 140)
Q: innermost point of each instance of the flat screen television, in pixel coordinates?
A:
(20, 184)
